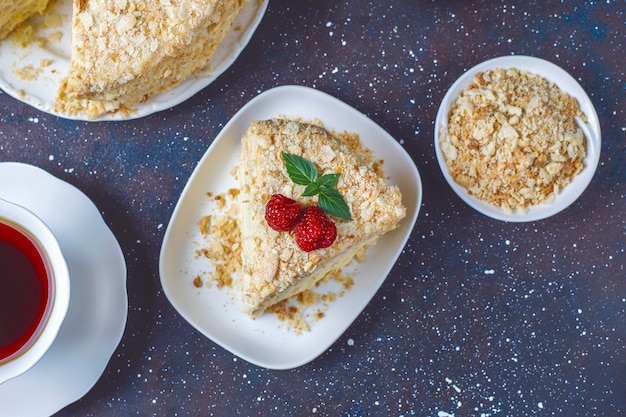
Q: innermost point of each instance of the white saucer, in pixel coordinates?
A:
(40, 92)
(96, 317)
(217, 313)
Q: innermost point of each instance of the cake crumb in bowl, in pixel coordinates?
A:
(508, 141)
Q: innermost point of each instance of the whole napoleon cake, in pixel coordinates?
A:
(126, 51)
(275, 265)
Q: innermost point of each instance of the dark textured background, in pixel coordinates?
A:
(478, 317)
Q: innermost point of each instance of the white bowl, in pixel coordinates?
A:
(591, 129)
(26, 222)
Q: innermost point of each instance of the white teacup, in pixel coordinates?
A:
(34, 289)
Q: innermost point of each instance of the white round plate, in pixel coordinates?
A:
(568, 85)
(96, 317)
(216, 313)
(40, 92)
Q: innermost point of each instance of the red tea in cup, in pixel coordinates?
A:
(34, 289)
(25, 290)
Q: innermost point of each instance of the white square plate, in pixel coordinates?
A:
(216, 313)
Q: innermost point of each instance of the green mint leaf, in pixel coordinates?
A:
(332, 202)
(303, 172)
(300, 170)
(328, 180)
(311, 190)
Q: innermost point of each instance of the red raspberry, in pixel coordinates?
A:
(282, 213)
(315, 230)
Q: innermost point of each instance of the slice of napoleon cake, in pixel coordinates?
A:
(280, 263)
(125, 51)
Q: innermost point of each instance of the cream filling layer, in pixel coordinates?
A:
(306, 282)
